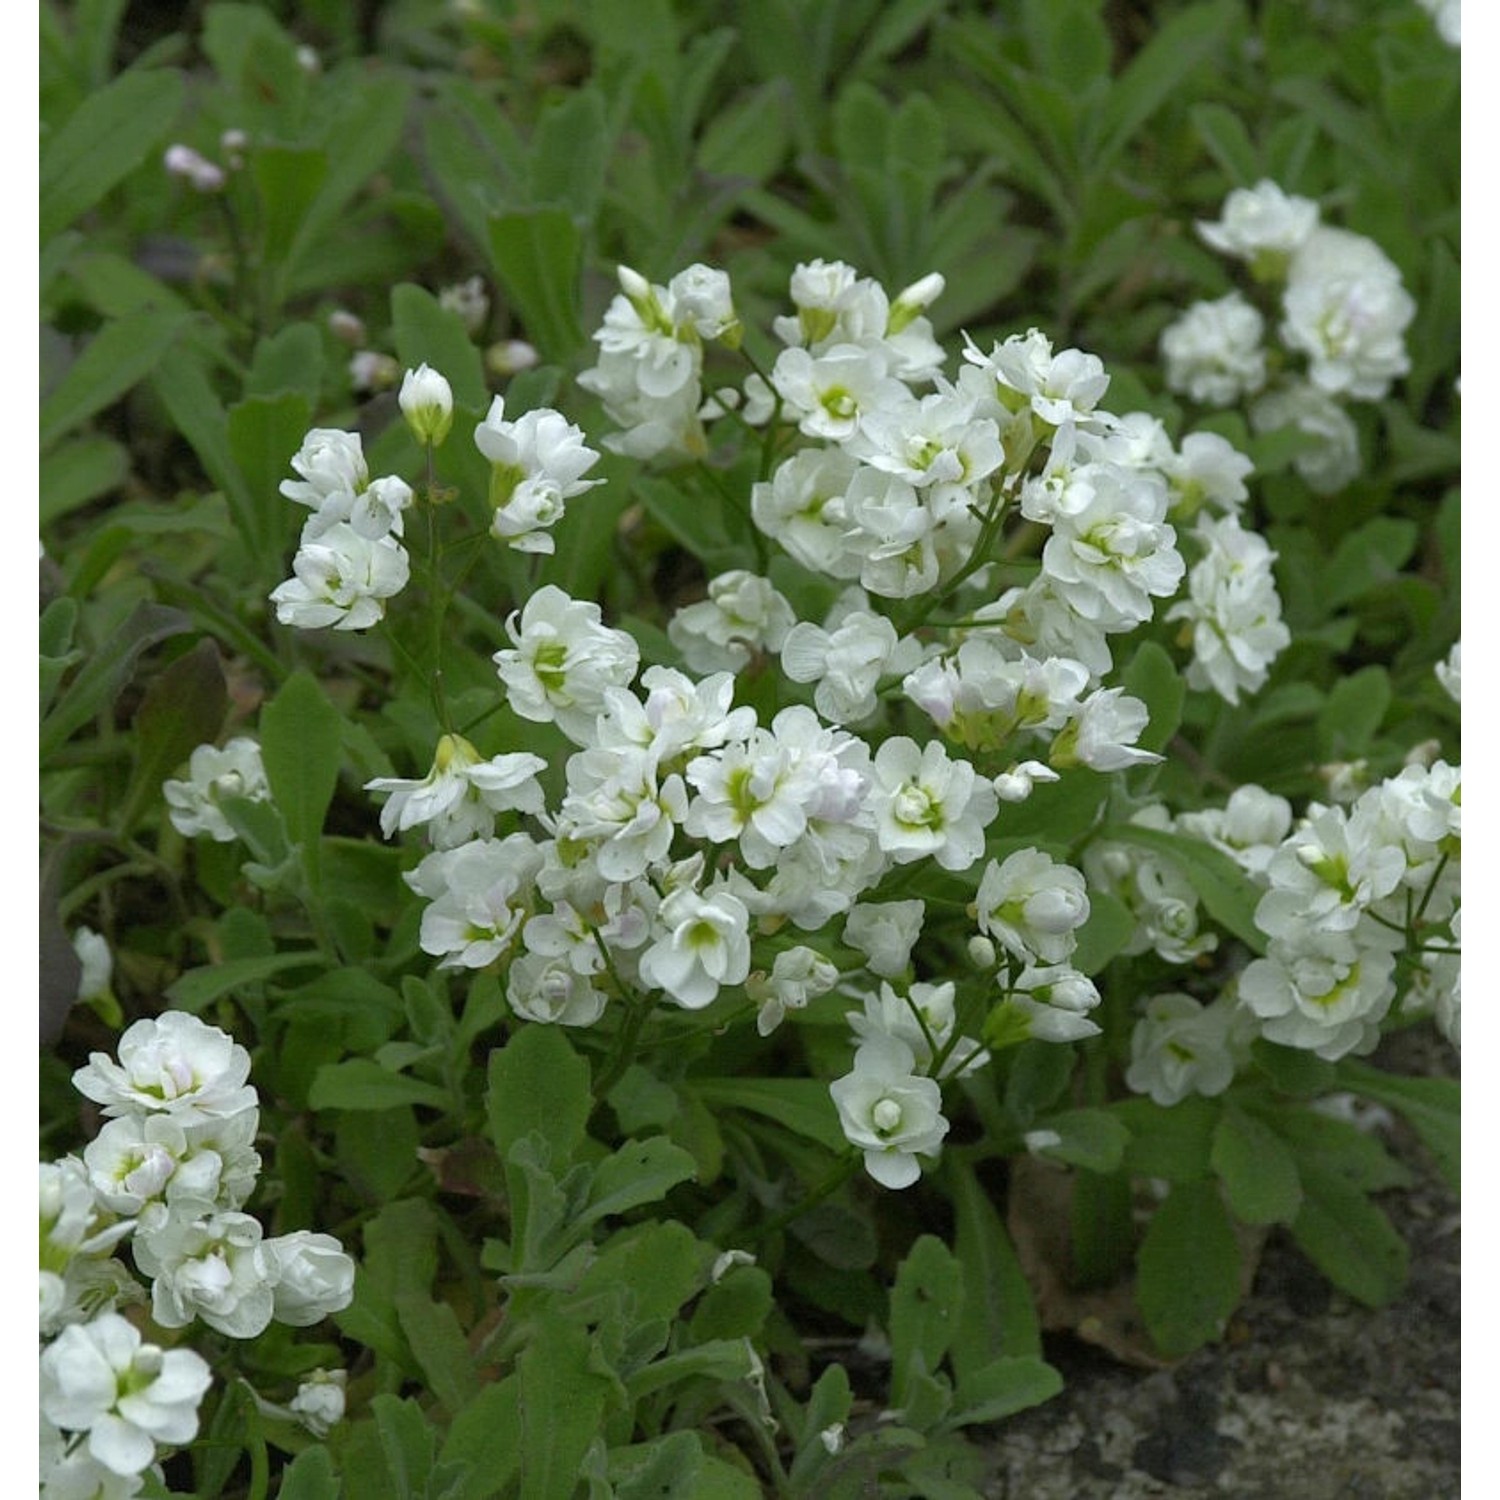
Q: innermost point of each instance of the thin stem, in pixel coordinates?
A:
(843, 1169)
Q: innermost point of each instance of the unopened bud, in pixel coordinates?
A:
(426, 402)
(510, 357)
(981, 952)
(202, 174)
(347, 328)
(371, 370)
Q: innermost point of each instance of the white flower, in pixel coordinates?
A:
(1448, 17)
(537, 464)
(705, 944)
(743, 614)
(1103, 732)
(212, 1266)
(1111, 549)
(1032, 906)
(1321, 993)
(312, 1276)
(1213, 351)
(331, 463)
(96, 963)
(924, 803)
(1233, 610)
(564, 659)
(195, 169)
(1180, 1047)
(426, 401)
(68, 1471)
(99, 1378)
(469, 300)
(1057, 388)
(319, 1402)
(797, 976)
(846, 662)
(1334, 460)
(889, 1112)
(551, 990)
(1450, 672)
(885, 932)
(701, 299)
(1261, 225)
(460, 795)
(1345, 308)
(342, 580)
(802, 506)
(923, 1020)
(1206, 470)
(481, 894)
(176, 1064)
(213, 776)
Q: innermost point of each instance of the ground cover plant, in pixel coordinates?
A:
(739, 706)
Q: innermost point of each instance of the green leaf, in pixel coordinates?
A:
(1224, 134)
(484, 1440)
(1337, 1149)
(1349, 1239)
(1258, 1172)
(562, 1407)
(288, 362)
(106, 671)
(537, 255)
(428, 333)
(1291, 1070)
(262, 434)
(1152, 677)
(537, 1082)
(669, 1468)
(1352, 714)
(1004, 1387)
(407, 1442)
(1230, 895)
(108, 136)
(301, 740)
(310, 1476)
(926, 1306)
(361, 1083)
(1369, 558)
(1175, 1143)
(802, 1105)
(570, 153)
(1173, 53)
(999, 1317)
(1188, 1270)
(183, 707)
(752, 137)
(720, 1360)
(1431, 1107)
(55, 646)
(639, 1172)
(122, 353)
(437, 1341)
(700, 523)
(735, 1307)
(78, 472)
(288, 179)
(1091, 1138)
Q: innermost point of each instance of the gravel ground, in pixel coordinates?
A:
(1309, 1397)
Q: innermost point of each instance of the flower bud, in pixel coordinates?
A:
(370, 370)
(347, 327)
(426, 402)
(182, 161)
(510, 357)
(316, 1277)
(981, 952)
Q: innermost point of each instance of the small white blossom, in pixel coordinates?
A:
(537, 464)
(926, 804)
(100, 1378)
(1262, 225)
(214, 776)
(743, 614)
(1032, 906)
(174, 1064)
(563, 661)
(212, 1266)
(885, 932)
(342, 580)
(460, 796)
(319, 1402)
(1334, 459)
(704, 946)
(798, 975)
(312, 1277)
(1213, 352)
(889, 1112)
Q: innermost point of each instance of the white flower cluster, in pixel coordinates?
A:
(171, 1169)
(692, 833)
(1349, 892)
(1343, 311)
(350, 560)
